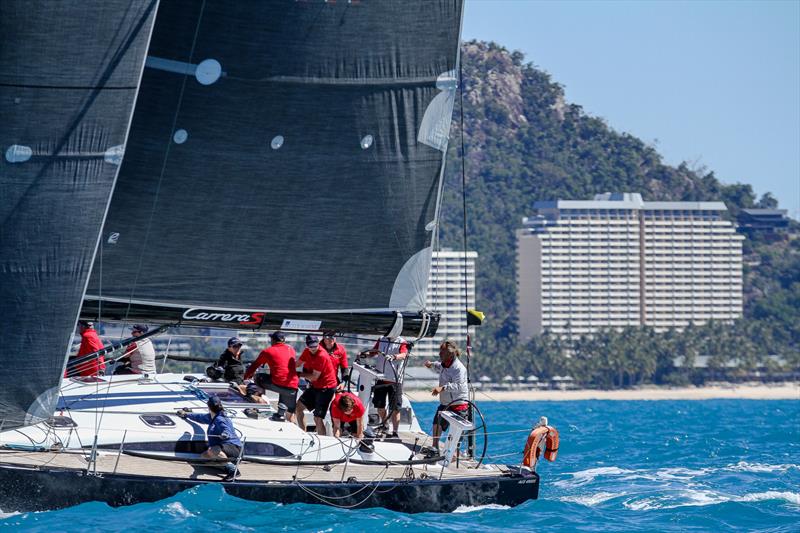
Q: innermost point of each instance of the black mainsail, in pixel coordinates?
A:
(284, 163)
(69, 73)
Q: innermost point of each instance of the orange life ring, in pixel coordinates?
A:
(533, 446)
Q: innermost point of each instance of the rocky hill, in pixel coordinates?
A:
(524, 142)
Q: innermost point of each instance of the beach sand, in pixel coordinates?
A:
(782, 391)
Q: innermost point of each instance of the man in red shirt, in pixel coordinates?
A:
(320, 370)
(347, 412)
(339, 354)
(90, 343)
(282, 378)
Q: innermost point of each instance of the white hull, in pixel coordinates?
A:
(115, 410)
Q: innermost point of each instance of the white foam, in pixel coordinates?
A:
(583, 477)
(667, 474)
(743, 466)
(696, 498)
(4, 515)
(177, 510)
(791, 497)
(646, 504)
(590, 500)
(473, 508)
(701, 498)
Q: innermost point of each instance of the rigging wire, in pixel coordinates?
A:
(464, 200)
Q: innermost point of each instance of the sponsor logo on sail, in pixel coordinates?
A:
(243, 319)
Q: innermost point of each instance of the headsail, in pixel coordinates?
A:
(285, 163)
(69, 73)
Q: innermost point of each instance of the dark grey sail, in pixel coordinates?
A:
(69, 73)
(285, 163)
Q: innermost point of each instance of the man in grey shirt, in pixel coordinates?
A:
(453, 389)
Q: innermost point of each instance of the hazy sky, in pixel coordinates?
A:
(716, 83)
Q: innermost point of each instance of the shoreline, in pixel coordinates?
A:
(783, 391)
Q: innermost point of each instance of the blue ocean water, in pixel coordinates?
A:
(622, 466)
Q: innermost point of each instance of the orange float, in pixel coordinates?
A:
(547, 435)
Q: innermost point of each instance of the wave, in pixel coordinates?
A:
(584, 477)
(668, 474)
(700, 498)
(760, 468)
(590, 500)
(790, 497)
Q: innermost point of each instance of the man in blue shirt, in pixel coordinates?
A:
(223, 443)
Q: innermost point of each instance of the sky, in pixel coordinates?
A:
(712, 83)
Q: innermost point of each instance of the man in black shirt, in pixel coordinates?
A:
(229, 365)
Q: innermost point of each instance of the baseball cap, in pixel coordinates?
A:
(214, 402)
(86, 323)
(312, 341)
(329, 335)
(141, 328)
(277, 336)
(233, 341)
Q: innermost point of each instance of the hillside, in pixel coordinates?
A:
(525, 143)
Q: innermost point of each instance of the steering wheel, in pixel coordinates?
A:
(480, 435)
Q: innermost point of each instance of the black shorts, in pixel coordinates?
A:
(231, 450)
(286, 396)
(385, 388)
(444, 424)
(317, 399)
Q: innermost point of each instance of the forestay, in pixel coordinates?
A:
(69, 73)
(284, 164)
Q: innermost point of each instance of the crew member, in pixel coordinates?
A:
(338, 353)
(90, 343)
(389, 351)
(223, 443)
(229, 365)
(281, 359)
(347, 412)
(140, 356)
(320, 370)
(453, 389)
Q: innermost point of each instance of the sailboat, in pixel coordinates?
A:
(252, 166)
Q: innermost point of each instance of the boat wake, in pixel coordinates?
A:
(177, 510)
(475, 508)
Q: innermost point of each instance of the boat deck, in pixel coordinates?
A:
(113, 462)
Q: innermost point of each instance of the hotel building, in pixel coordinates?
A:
(618, 261)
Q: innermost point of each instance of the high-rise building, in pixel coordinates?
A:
(617, 261)
(446, 292)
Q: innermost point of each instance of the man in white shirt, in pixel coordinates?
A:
(388, 353)
(140, 357)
